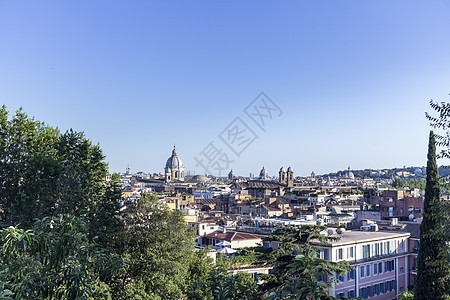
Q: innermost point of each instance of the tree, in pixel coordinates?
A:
(297, 265)
(442, 122)
(160, 248)
(433, 263)
(44, 173)
(220, 284)
(54, 260)
(29, 169)
(106, 221)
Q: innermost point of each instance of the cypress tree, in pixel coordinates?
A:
(432, 262)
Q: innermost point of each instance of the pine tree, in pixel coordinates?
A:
(433, 263)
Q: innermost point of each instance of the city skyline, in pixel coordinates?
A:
(352, 80)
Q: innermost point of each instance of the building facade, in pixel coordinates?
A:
(380, 264)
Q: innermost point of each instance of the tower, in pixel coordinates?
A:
(290, 177)
(282, 176)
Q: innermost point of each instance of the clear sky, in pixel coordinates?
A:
(352, 78)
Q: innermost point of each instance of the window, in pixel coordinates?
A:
(375, 269)
(401, 270)
(322, 278)
(401, 245)
(381, 288)
(340, 295)
(351, 275)
(365, 292)
(389, 265)
(362, 271)
(391, 247)
(390, 286)
(351, 293)
(339, 277)
(368, 270)
(325, 254)
(376, 289)
(350, 252)
(365, 249)
(380, 268)
(340, 253)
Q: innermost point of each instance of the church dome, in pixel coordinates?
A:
(174, 162)
(201, 178)
(263, 174)
(350, 174)
(263, 171)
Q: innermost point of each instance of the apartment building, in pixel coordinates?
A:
(379, 262)
(401, 204)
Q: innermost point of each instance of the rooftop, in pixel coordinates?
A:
(359, 236)
(234, 235)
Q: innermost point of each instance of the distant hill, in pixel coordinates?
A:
(413, 172)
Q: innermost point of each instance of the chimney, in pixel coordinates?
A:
(373, 227)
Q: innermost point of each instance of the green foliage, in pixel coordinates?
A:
(297, 265)
(200, 266)
(433, 274)
(406, 296)
(159, 246)
(256, 256)
(221, 285)
(441, 122)
(409, 183)
(5, 294)
(54, 260)
(106, 223)
(44, 173)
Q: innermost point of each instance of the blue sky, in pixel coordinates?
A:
(353, 78)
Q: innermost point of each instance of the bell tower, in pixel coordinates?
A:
(282, 176)
(290, 177)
